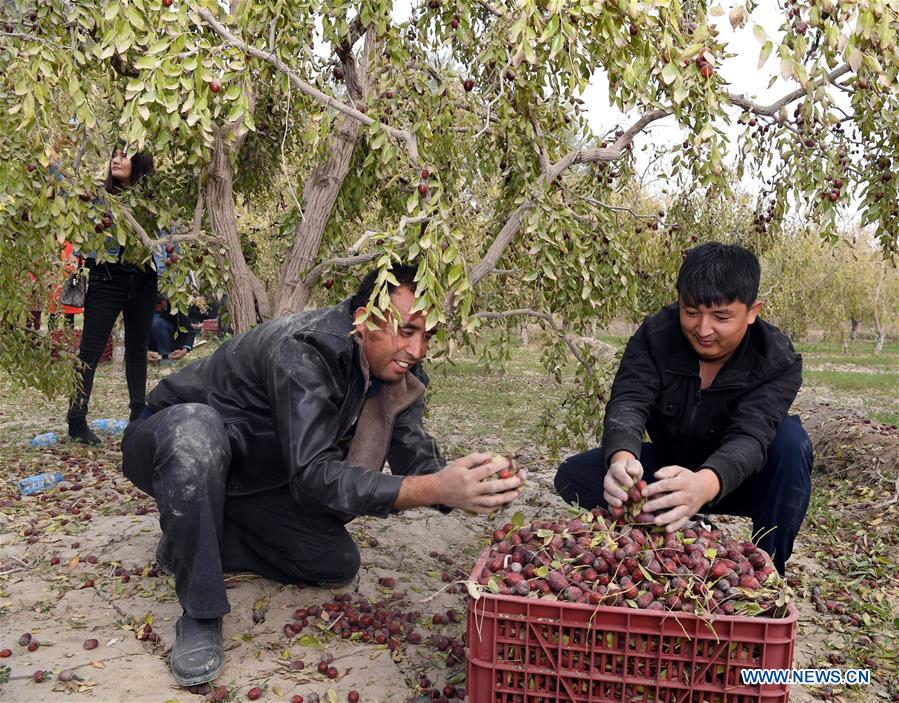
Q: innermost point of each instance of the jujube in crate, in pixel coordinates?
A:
(598, 559)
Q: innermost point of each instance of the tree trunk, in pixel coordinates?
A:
(853, 330)
(241, 287)
(319, 194)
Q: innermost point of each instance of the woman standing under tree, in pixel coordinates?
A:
(116, 286)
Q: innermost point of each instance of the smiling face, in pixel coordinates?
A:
(120, 167)
(391, 353)
(715, 331)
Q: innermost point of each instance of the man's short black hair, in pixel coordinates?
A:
(719, 274)
(403, 273)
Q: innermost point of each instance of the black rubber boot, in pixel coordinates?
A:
(80, 432)
(198, 655)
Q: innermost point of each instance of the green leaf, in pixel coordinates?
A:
(557, 44)
(552, 27)
(235, 114)
(669, 73)
(137, 22)
(758, 31)
(767, 48)
(648, 576)
(145, 62)
(473, 590)
(160, 46)
(310, 641)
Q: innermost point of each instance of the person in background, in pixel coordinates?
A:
(116, 286)
(55, 308)
(172, 333)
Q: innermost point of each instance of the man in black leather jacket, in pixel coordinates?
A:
(711, 383)
(259, 454)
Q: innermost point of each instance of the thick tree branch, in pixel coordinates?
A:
(79, 155)
(772, 109)
(614, 152)
(400, 135)
(153, 243)
(32, 37)
(549, 319)
(261, 295)
(542, 153)
(200, 206)
(354, 258)
(491, 9)
(356, 31)
(620, 208)
(513, 224)
(340, 262)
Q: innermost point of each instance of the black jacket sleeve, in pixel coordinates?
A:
(754, 422)
(304, 389)
(634, 390)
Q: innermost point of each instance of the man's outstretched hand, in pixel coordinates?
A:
(477, 483)
(678, 493)
(624, 471)
(473, 483)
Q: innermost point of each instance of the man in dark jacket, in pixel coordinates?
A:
(259, 454)
(711, 383)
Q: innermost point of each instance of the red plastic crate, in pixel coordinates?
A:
(210, 327)
(530, 650)
(70, 340)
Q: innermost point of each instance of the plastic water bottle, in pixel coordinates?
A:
(110, 425)
(44, 440)
(41, 482)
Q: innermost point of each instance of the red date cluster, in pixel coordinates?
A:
(598, 560)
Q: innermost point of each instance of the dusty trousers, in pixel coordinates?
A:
(180, 456)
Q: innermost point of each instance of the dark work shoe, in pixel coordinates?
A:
(198, 654)
(80, 432)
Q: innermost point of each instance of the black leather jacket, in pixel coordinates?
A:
(727, 427)
(290, 392)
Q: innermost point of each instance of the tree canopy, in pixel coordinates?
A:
(299, 139)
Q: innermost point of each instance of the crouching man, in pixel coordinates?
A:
(259, 454)
(711, 383)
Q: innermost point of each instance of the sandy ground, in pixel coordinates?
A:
(104, 517)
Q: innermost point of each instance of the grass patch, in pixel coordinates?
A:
(887, 417)
(857, 348)
(882, 361)
(853, 381)
(465, 400)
